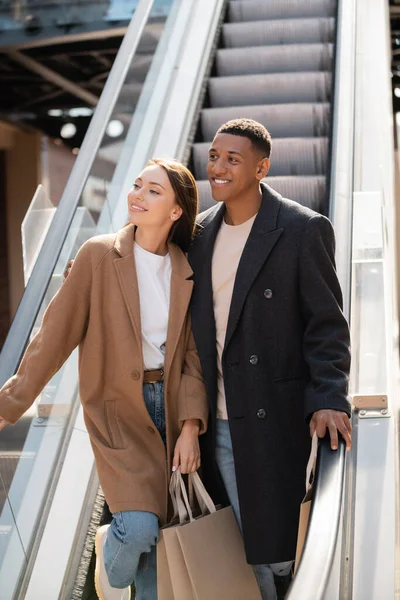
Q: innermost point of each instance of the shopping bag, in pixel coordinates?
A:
(305, 506)
(202, 558)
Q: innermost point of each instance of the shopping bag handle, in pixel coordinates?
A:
(180, 500)
(204, 499)
(312, 462)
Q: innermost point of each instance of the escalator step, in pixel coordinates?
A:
(249, 10)
(274, 59)
(290, 156)
(283, 31)
(287, 120)
(269, 89)
(308, 191)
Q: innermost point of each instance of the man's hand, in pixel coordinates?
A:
(3, 423)
(335, 421)
(68, 269)
(187, 450)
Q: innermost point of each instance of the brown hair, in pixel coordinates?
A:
(186, 195)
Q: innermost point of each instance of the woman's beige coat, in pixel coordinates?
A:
(97, 307)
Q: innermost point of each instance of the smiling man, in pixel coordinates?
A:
(273, 343)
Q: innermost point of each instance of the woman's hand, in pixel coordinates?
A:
(187, 450)
(3, 423)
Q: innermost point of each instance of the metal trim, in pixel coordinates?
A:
(367, 401)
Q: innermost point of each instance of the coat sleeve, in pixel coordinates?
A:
(326, 342)
(63, 327)
(192, 398)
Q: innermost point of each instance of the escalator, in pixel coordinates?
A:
(273, 62)
(275, 66)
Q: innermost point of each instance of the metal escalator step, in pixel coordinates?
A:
(283, 31)
(271, 88)
(308, 191)
(249, 10)
(299, 156)
(286, 120)
(274, 59)
(290, 156)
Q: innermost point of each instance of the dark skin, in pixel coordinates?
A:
(235, 160)
(235, 168)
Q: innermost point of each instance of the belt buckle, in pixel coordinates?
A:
(158, 380)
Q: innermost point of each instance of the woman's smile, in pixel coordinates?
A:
(136, 207)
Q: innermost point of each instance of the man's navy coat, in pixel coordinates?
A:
(286, 356)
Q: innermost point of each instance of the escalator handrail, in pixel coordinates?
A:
(319, 549)
(331, 495)
(39, 280)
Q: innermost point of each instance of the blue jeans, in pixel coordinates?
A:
(130, 549)
(224, 456)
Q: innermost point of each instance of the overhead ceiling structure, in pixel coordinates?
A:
(56, 57)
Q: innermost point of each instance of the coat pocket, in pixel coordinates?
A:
(113, 429)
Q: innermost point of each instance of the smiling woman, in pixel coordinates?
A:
(163, 202)
(125, 303)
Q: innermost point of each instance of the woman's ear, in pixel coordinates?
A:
(176, 213)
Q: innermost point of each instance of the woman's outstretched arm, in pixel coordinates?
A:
(63, 327)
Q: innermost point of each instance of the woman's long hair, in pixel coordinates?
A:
(186, 195)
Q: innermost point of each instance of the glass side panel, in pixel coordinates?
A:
(31, 451)
(368, 314)
(34, 228)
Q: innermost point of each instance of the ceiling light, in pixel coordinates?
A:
(68, 131)
(114, 128)
(80, 111)
(54, 112)
(397, 92)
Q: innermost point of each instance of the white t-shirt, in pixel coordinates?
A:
(228, 249)
(154, 281)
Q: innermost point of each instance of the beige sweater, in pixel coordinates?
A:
(228, 248)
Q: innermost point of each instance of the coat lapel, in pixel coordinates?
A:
(202, 306)
(126, 273)
(181, 291)
(259, 245)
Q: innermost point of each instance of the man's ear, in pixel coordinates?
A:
(263, 168)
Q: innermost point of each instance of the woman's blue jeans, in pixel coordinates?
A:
(130, 549)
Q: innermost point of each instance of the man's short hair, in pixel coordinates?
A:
(254, 131)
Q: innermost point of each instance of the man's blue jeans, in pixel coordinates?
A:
(224, 455)
(130, 549)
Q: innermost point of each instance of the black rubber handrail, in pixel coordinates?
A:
(28, 309)
(319, 549)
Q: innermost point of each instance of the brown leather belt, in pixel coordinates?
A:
(153, 376)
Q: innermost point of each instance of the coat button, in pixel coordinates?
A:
(135, 375)
(254, 359)
(261, 413)
(268, 294)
